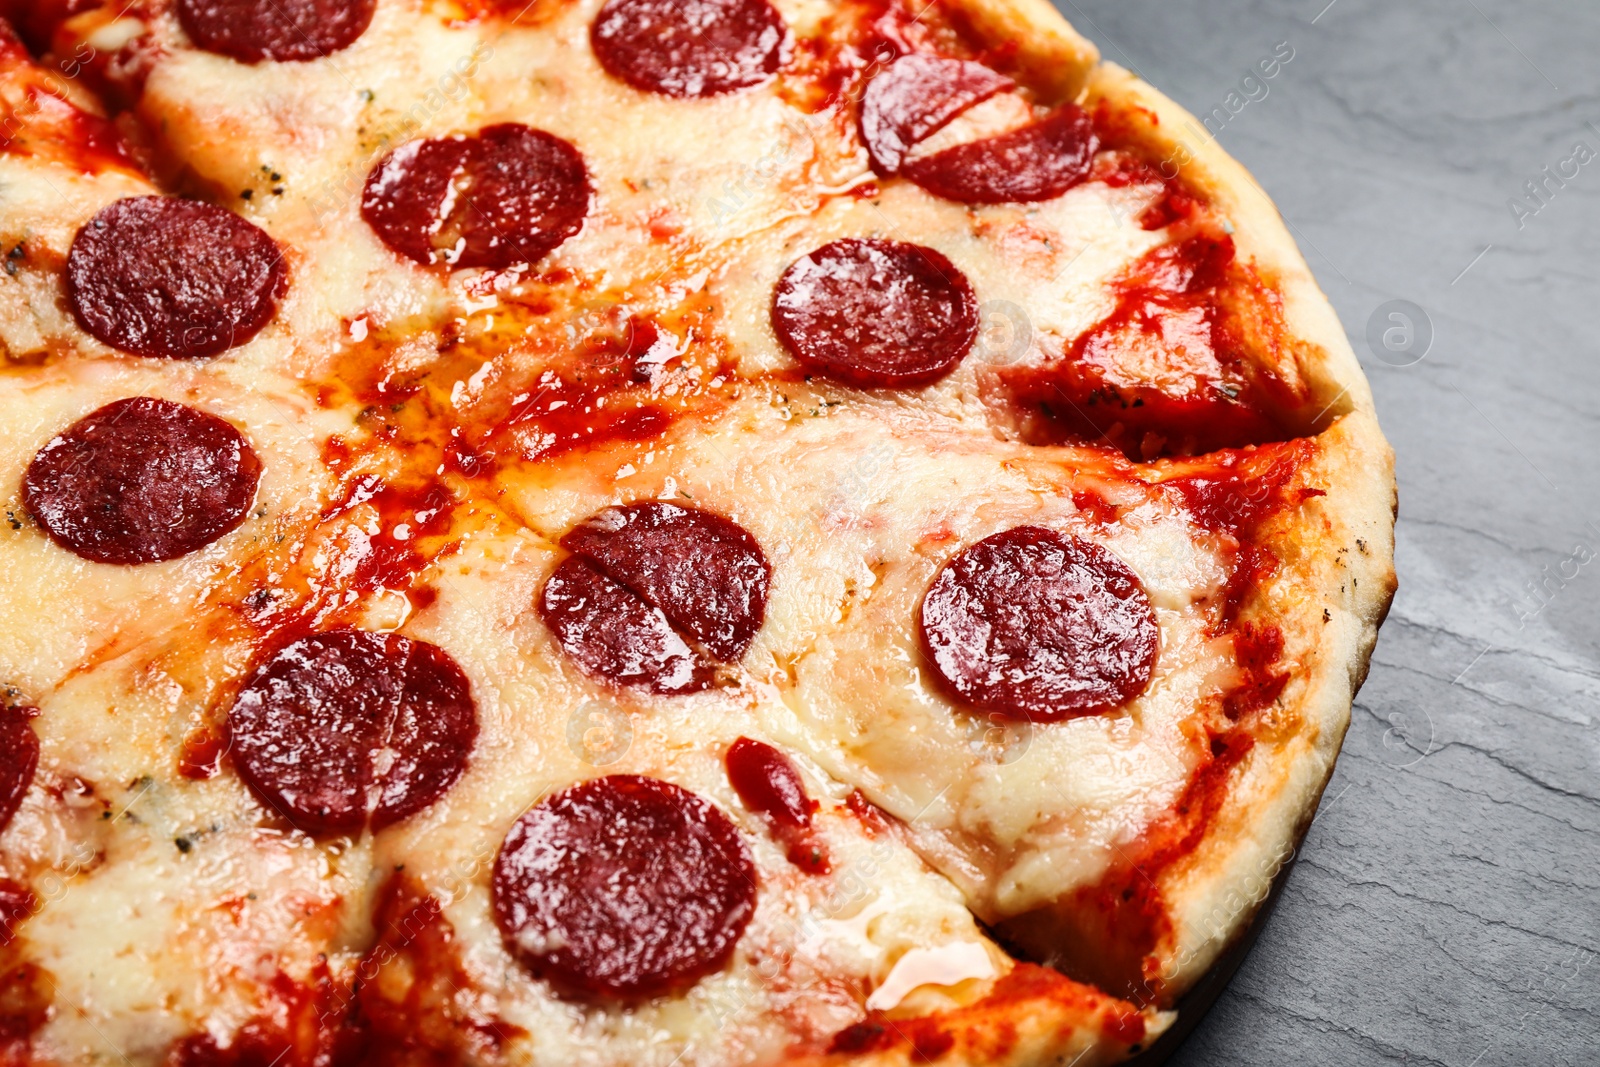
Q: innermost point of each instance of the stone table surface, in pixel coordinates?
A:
(1445, 908)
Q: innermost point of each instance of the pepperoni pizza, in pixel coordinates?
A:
(647, 532)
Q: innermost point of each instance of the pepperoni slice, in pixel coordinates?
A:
(768, 783)
(705, 573)
(656, 593)
(157, 276)
(615, 635)
(505, 196)
(875, 313)
(141, 480)
(688, 48)
(1037, 162)
(344, 729)
(286, 31)
(1031, 624)
(917, 97)
(19, 758)
(623, 887)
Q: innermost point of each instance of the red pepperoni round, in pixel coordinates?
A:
(875, 313)
(705, 573)
(141, 480)
(158, 276)
(1035, 625)
(344, 729)
(282, 30)
(917, 97)
(655, 594)
(505, 196)
(19, 758)
(623, 887)
(613, 634)
(1037, 162)
(687, 48)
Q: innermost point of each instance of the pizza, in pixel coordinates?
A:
(648, 532)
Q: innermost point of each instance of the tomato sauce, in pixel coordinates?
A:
(1127, 908)
(406, 1005)
(552, 376)
(200, 756)
(401, 1006)
(1168, 372)
(1119, 169)
(871, 817)
(768, 783)
(410, 517)
(1233, 490)
(303, 1027)
(27, 995)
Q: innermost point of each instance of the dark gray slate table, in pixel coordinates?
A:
(1446, 906)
